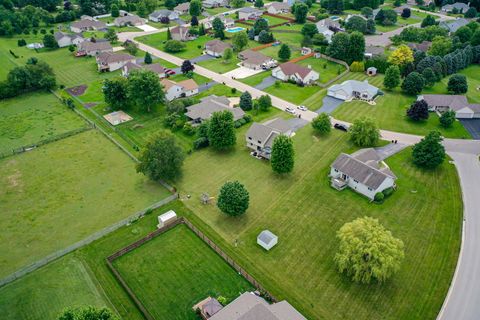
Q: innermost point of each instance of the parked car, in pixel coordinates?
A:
(340, 126)
(170, 72)
(290, 110)
(302, 108)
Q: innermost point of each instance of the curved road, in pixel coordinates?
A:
(463, 299)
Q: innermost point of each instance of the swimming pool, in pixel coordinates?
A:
(236, 29)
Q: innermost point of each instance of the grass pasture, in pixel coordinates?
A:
(64, 191)
(29, 118)
(176, 270)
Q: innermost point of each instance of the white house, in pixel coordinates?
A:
(109, 61)
(156, 16)
(181, 33)
(256, 60)
(214, 3)
(166, 218)
(299, 74)
(64, 39)
(447, 102)
(94, 48)
(207, 106)
(249, 13)
(363, 172)
(328, 34)
(182, 89)
(260, 136)
(267, 240)
(215, 48)
(278, 7)
(353, 89)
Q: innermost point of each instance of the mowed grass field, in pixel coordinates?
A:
(305, 212)
(64, 191)
(30, 118)
(389, 112)
(176, 270)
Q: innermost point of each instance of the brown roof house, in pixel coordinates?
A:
(256, 60)
(181, 33)
(155, 67)
(363, 172)
(215, 48)
(249, 306)
(295, 72)
(203, 111)
(457, 103)
(424, 46)
(109, 61)
(182, 8)
(182, 89)
(86, 25)
(129, 20)
(94, 48)
(260, 136)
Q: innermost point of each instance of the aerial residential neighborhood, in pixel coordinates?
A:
(239, 160)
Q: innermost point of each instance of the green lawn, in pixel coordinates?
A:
(295, 94)
(273, 52)
(198, 78)
(193, 48)
(274, 20)
(63, 192)
(256, 79)
(219, 65)
(183, 269)
(29, 118)
(327, 70)
(390, 112)
(214, 11)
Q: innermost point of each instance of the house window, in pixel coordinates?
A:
(370, 189)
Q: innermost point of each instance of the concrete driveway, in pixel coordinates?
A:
(472, 126)
(242, 73)
(267, 82)
(147, 28)
(329, 104)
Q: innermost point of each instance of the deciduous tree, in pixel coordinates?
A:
(401, 56)
(221, 130)
(246, 102)
(195, 8)
(309, 29)
(239, 41)
(457, 84)
(284, 53)
(187, 66)
(428, 21)
(418, 111)
(321, 123)
(282, 158)
(233, 199)
(144, 90)
(264, 102)
(429, 153)
(364, 132)
(300, 12)
(447, 118)
(392, 77)
(87, 313)
(413, 83)
(115, 92)
(218, 28)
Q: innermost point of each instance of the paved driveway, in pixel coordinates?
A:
(297, 123)
(206, 86)
(329, 104)
(201, 58)
(267, 82)
(242, 73)
(147, 28)
(389, 150)
(180, 21)
(472, 126)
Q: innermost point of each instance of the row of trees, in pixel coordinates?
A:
(347, 47)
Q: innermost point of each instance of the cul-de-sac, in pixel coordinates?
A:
(240, 159)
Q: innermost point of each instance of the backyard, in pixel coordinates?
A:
(176, 270)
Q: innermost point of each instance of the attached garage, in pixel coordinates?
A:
(339, 94)
(464, 113)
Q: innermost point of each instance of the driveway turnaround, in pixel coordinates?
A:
(472, 126)
(267, 82)
(329, 104)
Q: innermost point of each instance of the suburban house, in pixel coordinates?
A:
(278, 7)
(182, 89)
(64, 39)
(181, 33)
(109, 61)
(353, 89)
(207, 307)
(260, 136)
(460, 7)
(215, 48)
(326, 32)
(362, 171)
(453, 25)
(256, 60)
(156, 16)
(329, 24)
(457, 103)
(94, 48)
(249, 13)
(214, 3)
(295, 72)
(155, 67)
(87, 25)
(249, 306)
(424, 46)
(182, 8)
(227, 22)
(130, 20)
(203, 111)
(373, 51)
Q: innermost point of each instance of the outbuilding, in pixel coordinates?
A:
(166, 218)
(372, 71)
(267, 239)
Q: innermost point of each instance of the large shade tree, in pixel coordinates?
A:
(429, 153)
(144, 89)
(233, 199)
(282, 158)
(221, 130)
(364, 132)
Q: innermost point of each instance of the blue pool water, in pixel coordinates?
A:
(236, 29)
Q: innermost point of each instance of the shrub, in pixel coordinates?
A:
(379, 197)
(200, 143)
(248, 118)
(388, 192)
(188, 129)
(357, 66)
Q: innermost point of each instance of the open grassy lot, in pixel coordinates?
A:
(326, 69)
(64, 191)
(390, 112)
(176, 270)
(43, 294)
(305, 212)
(220, 65)
(274, 20)
(33, 117)
(296, 94)
(273, 52)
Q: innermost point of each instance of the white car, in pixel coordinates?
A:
(302, 108)
(290, 110)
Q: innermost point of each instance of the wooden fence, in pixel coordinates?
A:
(302, 57)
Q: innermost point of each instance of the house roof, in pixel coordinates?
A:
(290, 68)
(211, 307)
(128, 19)
(456, 5)
(254, 57)
(88, 24)
(454, 102)
(59, 35)
(179, 30)
(350, 86)
(110, 57)
(95, 46)
(329, 23)
(454, 25)
(211, 104)
(161, 13)
(363, 166)
(424, 46)
(155, 67)
(268, 131)
(183, 6)
(217, 45)
(250, 10)
(374, 50)
(249, 306)
(279, 5)
(188, 84)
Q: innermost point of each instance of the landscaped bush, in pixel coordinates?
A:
(247, 118)
(379, 197)
(357, 66)
(188, 129)
(388, 192)
(200, 143)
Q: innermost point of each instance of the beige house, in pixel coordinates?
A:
(94, 48)
(260, 136)
(87, 25)
(64, 39)
(451, 102)
(130, 20)
(278, 7)
(182, 89)
(203, 111)
(256, 60)
(295, 72)
(249, 13)
(181, 33)
(155, 67)
(182, 8)
(215, 48)
(109, 61)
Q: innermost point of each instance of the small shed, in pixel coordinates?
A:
(306, 50)
(267, 239)
(372, 71)
(166, 218)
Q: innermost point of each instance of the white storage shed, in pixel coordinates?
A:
(166, 218)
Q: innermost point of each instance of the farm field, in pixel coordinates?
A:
(390, 112)
(71, 192)
(29, 118)
(295, 208)
(176, 270)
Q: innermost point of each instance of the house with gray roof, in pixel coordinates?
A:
(353, 89)
(451, 102)
(202, 111)
(295, 72)
(215, 48)
(129, 20)
(156, 16)
(182, 8)
(453, 25)
(363, 172)
(249, 306)
(373, 51)
(64, 39)
(256, 60)
(214, 3)
(94, 48)
(249, 13)
(278, 7)
(423, 46)
(260, 136)
(109, 61)
(154, 67)
(87, 25)
(459, 7)
(330, 24)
